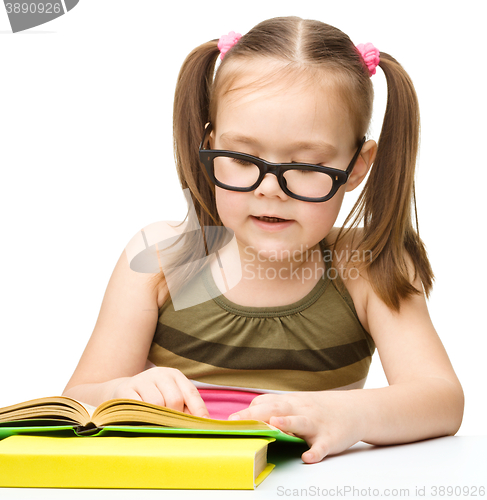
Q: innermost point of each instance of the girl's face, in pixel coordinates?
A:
(282, 122)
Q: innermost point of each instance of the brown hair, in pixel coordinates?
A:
(310, 47)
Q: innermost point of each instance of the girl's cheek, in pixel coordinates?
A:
(227, 205)
(327, 211)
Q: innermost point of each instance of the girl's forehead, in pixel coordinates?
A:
(261, 79)
(278, 98)
(264, 74)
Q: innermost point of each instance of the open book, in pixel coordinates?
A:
(120, 415)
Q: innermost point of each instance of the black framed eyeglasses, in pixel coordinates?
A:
(302, 181)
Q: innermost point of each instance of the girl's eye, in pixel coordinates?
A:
(242, 162)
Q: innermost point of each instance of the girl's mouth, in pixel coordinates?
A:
(269, 223)
(271, 219)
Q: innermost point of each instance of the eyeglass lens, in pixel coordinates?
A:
(241, 174)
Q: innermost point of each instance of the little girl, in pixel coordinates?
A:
(267, 146)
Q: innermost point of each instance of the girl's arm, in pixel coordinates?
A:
(112, 365)
(424, 398)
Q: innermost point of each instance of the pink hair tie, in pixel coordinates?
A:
(226, 42)
(370, 55)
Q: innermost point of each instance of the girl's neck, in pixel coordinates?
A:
(267, 282)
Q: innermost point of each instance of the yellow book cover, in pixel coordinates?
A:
(134, 462)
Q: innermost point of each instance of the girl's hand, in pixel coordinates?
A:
(327, 421)
(163, 387)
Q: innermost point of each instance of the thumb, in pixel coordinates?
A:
(316, 453)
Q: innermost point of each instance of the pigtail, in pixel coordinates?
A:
(191, 111)
(387, 203)
(183, 259)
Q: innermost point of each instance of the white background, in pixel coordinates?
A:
(86, 161)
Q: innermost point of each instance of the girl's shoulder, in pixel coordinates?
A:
(350, 259)
(145, 253)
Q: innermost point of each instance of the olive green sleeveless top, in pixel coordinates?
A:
(316, 343)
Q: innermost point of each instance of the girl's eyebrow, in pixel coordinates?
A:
(319, 146)
(243, 139)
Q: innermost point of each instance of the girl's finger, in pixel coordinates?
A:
(263, 411)
(150, 394)
(192, 399)
(317, 452)
(263, 398)
(172, 395)
(303, 427)
(129, 394)
(299, 425)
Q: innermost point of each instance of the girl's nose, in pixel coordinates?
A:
(270, 187)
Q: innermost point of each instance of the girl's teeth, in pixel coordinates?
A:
(270, 219)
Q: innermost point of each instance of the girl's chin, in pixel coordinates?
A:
(271, 252)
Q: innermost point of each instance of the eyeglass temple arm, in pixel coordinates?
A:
(208, 129)
(355, 156)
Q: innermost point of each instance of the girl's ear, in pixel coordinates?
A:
(362, 165)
